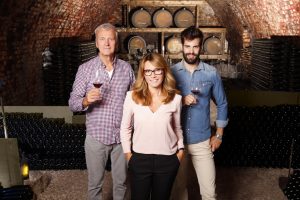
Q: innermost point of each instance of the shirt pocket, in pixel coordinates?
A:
(206, 87)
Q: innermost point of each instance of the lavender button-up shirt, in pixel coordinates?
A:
(103, 118)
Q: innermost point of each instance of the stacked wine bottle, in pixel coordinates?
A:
(275, 64)
(61, 62)
(74, 55)
(292, 190)
(255, 137)
(261, 137)
(21, 192)
(53, 76)
(47, 143)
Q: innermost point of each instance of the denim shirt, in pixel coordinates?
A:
(195, 119)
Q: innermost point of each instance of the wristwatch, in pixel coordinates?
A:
(219, 137)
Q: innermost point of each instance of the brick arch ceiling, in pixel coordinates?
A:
(28, 26)
(263, 17)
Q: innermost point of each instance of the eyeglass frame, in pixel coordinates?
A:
(157, 71)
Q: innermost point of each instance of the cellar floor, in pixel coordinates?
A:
(232, 184)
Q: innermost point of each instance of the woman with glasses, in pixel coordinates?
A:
(151, 133)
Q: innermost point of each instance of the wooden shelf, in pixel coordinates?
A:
(202, 56)
(167, 30)
(164, 33)
(129, 4)
(161, 3)
(179, 56)
(150, 30)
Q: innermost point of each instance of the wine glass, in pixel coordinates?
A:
(196, 87)
(97, 79)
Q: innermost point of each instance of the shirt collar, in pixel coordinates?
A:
(102, 64)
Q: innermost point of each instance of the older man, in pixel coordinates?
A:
(103, 106)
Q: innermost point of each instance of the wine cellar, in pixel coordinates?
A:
(254, 47)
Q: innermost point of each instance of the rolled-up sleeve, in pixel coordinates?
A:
(126, 124)
(221, 101)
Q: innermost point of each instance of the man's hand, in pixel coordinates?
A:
(91, 96)
(215, 143)
(189, 100)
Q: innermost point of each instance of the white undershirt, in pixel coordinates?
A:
(110, 73)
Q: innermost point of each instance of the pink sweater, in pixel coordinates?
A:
(154, 133)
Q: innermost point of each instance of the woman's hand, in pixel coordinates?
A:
(180, 154)
(128, 156)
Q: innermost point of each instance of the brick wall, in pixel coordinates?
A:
(262, 18)
(27, 27)
(269, 17)
(26, 30)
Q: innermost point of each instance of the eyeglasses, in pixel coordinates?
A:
(149, 72)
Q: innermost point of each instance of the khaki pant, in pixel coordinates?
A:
(96, 154)
(203, 162)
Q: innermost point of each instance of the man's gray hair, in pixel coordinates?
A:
(106, 26)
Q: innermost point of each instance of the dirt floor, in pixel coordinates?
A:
(232, 184)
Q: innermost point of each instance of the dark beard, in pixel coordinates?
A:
(191, 61)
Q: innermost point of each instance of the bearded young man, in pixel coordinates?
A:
(198, 83)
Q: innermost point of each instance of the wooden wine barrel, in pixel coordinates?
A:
(212, 46)
(184, 18)
(141, 18)
(136, 42)
(173, 45)
(162, 18)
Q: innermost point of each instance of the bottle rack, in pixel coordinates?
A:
(265, 142)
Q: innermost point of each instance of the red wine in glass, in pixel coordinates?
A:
(195, 91)
(97, 79)
(97, 85)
